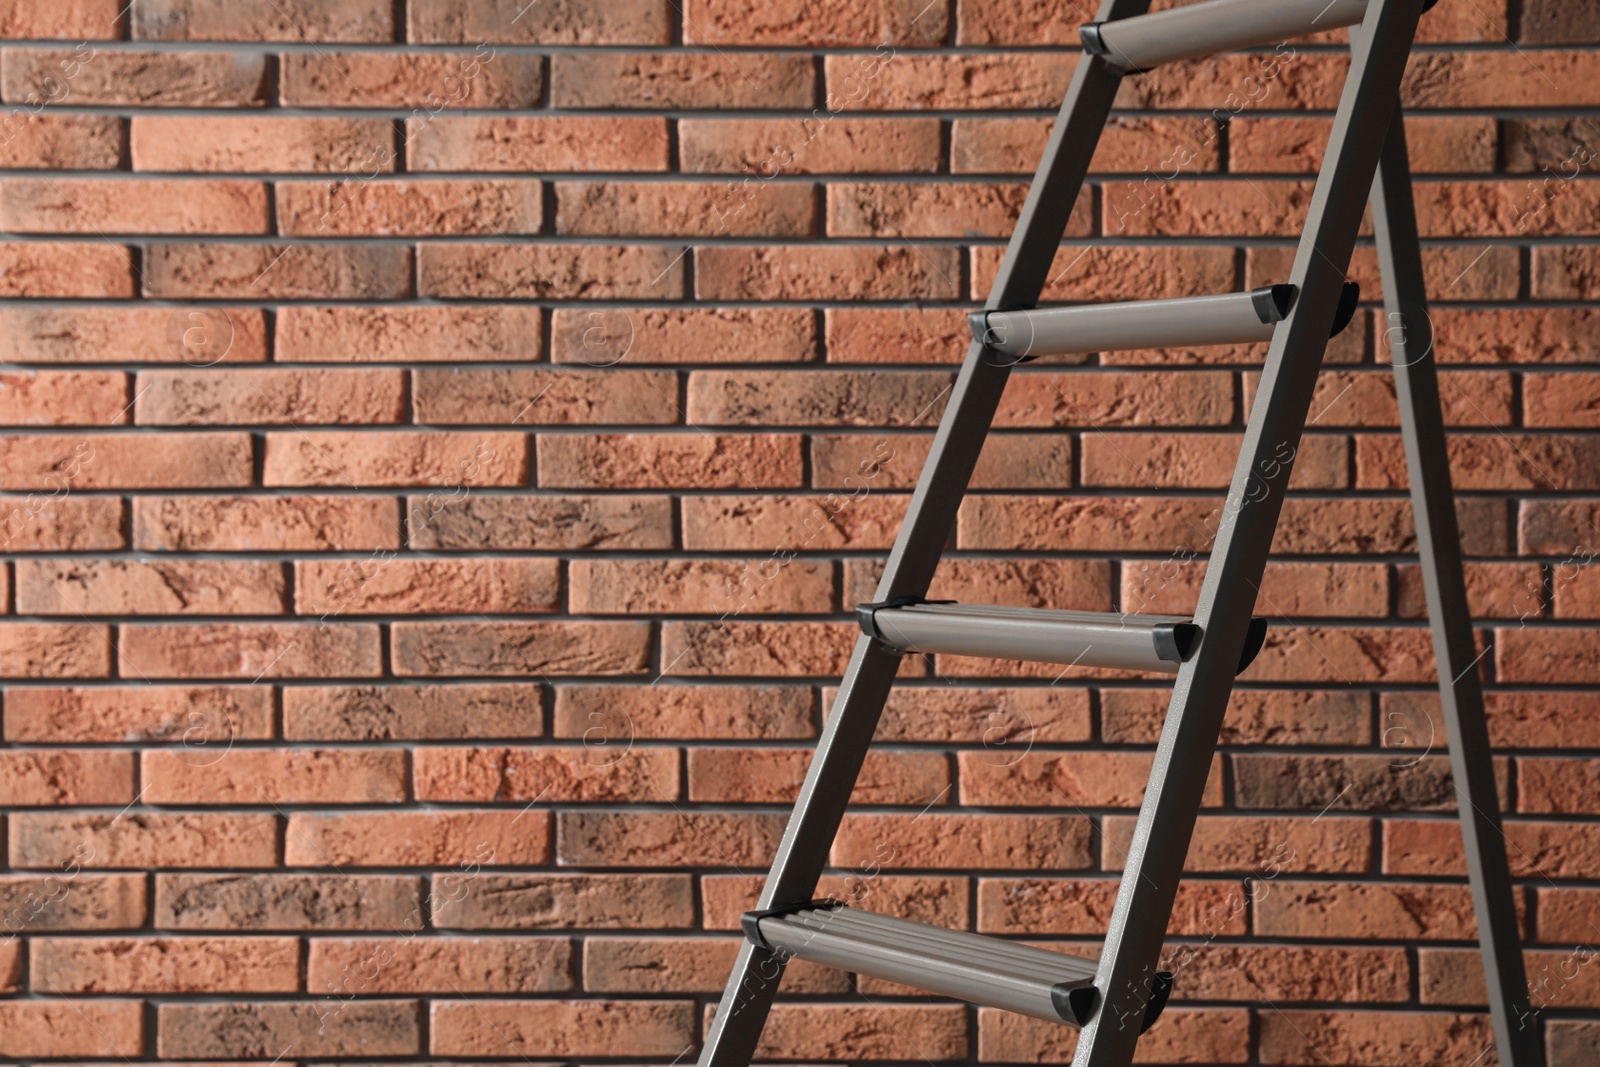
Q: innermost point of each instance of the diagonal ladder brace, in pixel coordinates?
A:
(1116, 999)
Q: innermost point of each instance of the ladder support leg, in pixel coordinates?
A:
(1410, 335)
(1172, 800)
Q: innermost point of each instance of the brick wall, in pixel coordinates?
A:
(444, 437)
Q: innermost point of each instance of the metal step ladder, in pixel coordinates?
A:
(1114, 999)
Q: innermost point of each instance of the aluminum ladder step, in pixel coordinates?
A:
(1211, 27)
(1229, 318)
(1077, 638)
(981, 970)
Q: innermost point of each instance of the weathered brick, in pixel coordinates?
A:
(1538, 145)
(59, 778)
(871, 1031)
(1557, 786)
(1204, 461)
(464, 396)
(1075, 780)
(1361, 911)
(587, 774)
(31, 903)
(582, 22)
(48, 141)
(355, 967)
(298, 397)
(237, 901)
(258, 776)
(711, 587)
(162, 587)
(273, 144)
(1345, 783)
(249, 650)
(89, 20)
(827, 144)
(677, 838)
(586, 272)
(1006, 722)
(410, 712)
(1565, 914)
(1494, 591)
(1078, 585)
(1264, 846)
(1357, 398)
(616, 714)
(458, 837)
(143, 461)
(268, 272)
(684, 80)
(166, 964)
(987, 80)
(540, 522)
(832, 23)
(401, 458)
(1372, 1037)
(1030, 22)
(923, 209)
(253, 1031)
(757, 649)
(281, 20)
(1255, 717)
(1560, 400)
(537, 143)
(142, 840)
(435, 586)
(1561, 979)
(816, 397)
(1558, 527)
(1290, 973)
(1516, 720)
(93, 1028)
(1008, 461)
(199, 716)
(1235, 83)
(560, 1028)
(607, 337)
(1550, 22)
(685, 965)
(656, 461)
(520, 648)
(666, 209)
(362, 208)
(63, 398)
(1461, 271)
(1464, 143)
(940, 901)
(826, 272)
(388, 334)
(57, 268)
(1040, 906)
(897, 335)
(265, 523)
(1547, 655)
(564, 902)
(201, 337)
(943, 841)
(1102, 272)
(60, 523)
(1104, 399)
(54, 650)
(1208, 1035)
(431, 80)
(799, 523)
(773, 776)
(136, 78)
(1494, 79)
(1432, 847)
(1136, 143)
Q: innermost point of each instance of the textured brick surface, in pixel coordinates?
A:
(442, 443)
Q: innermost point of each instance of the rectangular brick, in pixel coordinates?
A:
(485, 775)
(353, 967)
(822, 144)
(54, 650)
(1288, 81)
(1004, 720)
(90, 20)
(560, 1028)
(578, 22)
(237, 901)
(62, 269)
(945, 841)
(1492, 79)
(871, 1031)
(699, 587)
(757, 649)
(650, 839)
(1359, 911)
(265, 20)
(1432, 847)
(138, 78)
(686, 965)
(540, 522)
(55, 522)
(274, 144)
(1204, 461)
(1373, 1037)
(898, 22)
(827, 272)
(277, 272)
(858, 462)
(1494, 460)
(792, 522)
(1102, 272)
(444, 208)
(198, 716)
(398, 334)
(520, 648)
(1464, 143)
(565, 272)
(467, 396)
(773, 776)
(923, 209)
(103, 1028)
(1255, 717)
(166, 964)
(481, 78)
(31, 903)
(816, 397)
(394, 586)
(79, 334)
(1074, 780)
(989, 80)
(258, 776)
(155, 587)
(398, 458)
(143, 841)
(656, 461)
(1172, 587)
(249, 650)
(270, 397)
(682, 80)
(537, 143)
(1082, 906)
(605, 337)
(265, 523)
(410, 712)
(442, 838)
(65, 778)
(1263, 845)
(1137, 144)
(252, 1030)
(63, 398)
(563, 902)
(611, 713)
(47, 141)
(667, 209)
(1344, 654)
(137, 461)
(897, 335)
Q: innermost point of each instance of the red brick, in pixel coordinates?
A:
(105, 1028)
(1261, 845)
(654, 461)
(32, 903)
(431, 80)
(265, 523)
(267, 272)
(1558, 527)
(166, 964)
(1161, 144)
(675, 838)
(59, 523)
(1559, 979)
(1432, 847)
(201, 337)
(237, 901)
(54, 650)
(1291, 973)
(564, 902)
(143, 840)
(1153, 206)
(134, 587)
(136, 78)
(145, 461)
(58, 778)
(400, 458)
(362, 208)
(756, 649)
(255, 776)
(1496, 79)
(1027, 22)
(826, 272)
(247, 1031)
(666, 209)
(520, 648)
(1079, 585)
(270, 20)
(589, 272)
(1074, 780)
(198, 716)
(1208, 1035)
(870, 1031)
(457, 837)
(975, 81)
(464, 396)
(825, 143)
(1577, 592)
(1566, 914)
(832, 23)
(1494, 591)
(1513, 335)
(1570, 1043)
(47, 141)
(1556, 786)
(296, 397)
(617, 714)
(352, 967)
(896, 335)
(606, 337)
(921, 898)
(686, 965)
(89, 20)
(590, 774)
(708, 587)
(1287, 589)
(1561, 400)
(581, 22)
(410, 712)
(1104, 399)
(885, 209)
(1491, 461)
(1516, 720)
(429, 586)
(63, 398)
(1554, 206)
(249, 650)
(816, 397)
(406, 334)
(1103, 272)
(945, 841)
(1355, 911)
(1359, 398)
(1547, 22)
(773, 776)
(262, 143)
(507, 522)
(684, 80)
(1041, 906)
(56, 268)
(1008, 461)
(799, 523)
(1459, 272)
(1305, 1037)
(1409, 782)
(1465, 143)
(1201, 461)
(1007, 722)
(1235, 83)
(536, 143)
(560, 1028)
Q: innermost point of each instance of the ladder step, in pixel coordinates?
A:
(1077, 638)
(1229, 318)
(1211, 27)
(982, 970)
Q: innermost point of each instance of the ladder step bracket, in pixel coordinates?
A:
(981, 970)
(1190, 321)
(1138, 44)
(1111, 639)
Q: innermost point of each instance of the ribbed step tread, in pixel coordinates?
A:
(1211, 27)
(1077, 638)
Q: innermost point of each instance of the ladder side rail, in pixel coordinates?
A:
(1410, 331)
(1193, 724)
(802, 853)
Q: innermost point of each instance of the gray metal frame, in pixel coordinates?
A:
(1126, 976)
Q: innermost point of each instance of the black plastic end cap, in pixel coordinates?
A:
(750, 921)
(1175, 640)
(1093, 43)
(1273, 302)
(978, 323)
(1160, 990)
(1349, 297)
(1075, 1001)
(1254, 637)
(869, 625)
